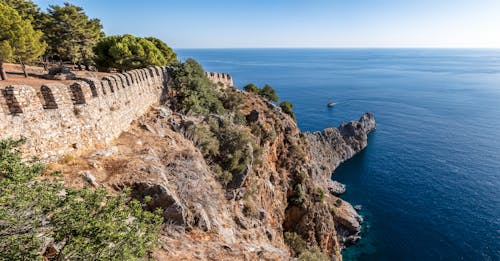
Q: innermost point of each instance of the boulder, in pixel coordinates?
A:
(161, 197)
(335, 188)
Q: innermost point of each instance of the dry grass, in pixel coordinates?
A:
(15, 76)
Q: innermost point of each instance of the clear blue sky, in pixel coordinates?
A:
(302, 23)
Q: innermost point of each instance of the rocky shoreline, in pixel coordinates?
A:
(330, 148)
(288, 190)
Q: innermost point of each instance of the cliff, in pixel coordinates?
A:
(150, 148)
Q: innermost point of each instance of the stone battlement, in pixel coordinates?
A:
(223, 78)
(59, 119)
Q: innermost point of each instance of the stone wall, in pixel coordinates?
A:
(58, 119)
(223, 78)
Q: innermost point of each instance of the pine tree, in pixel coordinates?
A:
(19, 42)
(167, 52)
(28, 11)
(70, 33)
(127, 52)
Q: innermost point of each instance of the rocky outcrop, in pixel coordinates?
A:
(285, 189)
(328, 149)
(333, 146)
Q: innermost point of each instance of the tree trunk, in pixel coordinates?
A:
(3, 76)
(24, 69)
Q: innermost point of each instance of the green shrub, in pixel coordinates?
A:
(251, 88)
(298, 195)
(300, 248)
(225, 144)
(204, 139)
(231, 98)
(195, 92)
(313, 254)
(269, 93)
(87, 224)
(295, 242)
(287, 107)
(320, 195)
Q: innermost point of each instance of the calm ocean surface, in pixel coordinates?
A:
(429, 181)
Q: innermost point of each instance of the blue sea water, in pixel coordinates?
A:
(429, 180)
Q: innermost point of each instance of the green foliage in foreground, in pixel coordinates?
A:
(85, 224)
(287, 107)
(267, 91)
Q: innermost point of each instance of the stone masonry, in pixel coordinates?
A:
(60, 119)
(220, 78)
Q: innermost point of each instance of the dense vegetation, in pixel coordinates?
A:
(222, 137)
(127, 52)
(66, 34)
(71, 34)
(19, 42)
(194, 92)
(82, 224)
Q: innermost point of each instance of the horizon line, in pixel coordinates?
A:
(449, 48)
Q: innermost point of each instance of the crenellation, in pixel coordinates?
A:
(104, 87)
(81, 92)
(60, 119)
(94, 85)
(220, 78)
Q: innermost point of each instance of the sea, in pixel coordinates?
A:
(429, 180)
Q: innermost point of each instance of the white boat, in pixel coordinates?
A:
(330, 104)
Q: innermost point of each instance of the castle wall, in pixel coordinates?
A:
(223, 78)
(59, 119)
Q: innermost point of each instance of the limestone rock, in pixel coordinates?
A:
(89, 178)
(335, 188)
(105, 152)
(161, 197)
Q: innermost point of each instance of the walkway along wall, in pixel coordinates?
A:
(60, 119)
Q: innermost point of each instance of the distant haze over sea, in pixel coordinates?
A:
(429, 181)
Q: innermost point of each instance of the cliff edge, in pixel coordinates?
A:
(244, 184)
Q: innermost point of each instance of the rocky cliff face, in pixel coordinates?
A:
(287, 189)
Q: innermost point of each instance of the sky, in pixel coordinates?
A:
(302, 23)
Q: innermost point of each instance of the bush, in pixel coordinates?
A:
(225, 144)
(204, 139)
(313, 254)
(251, 88)
(86, 224)
(298, 195)
(320, 195)
(299, 248)
(269, 93)
(295, 242)
(287, 107)
(195, 92)
(266, 92)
